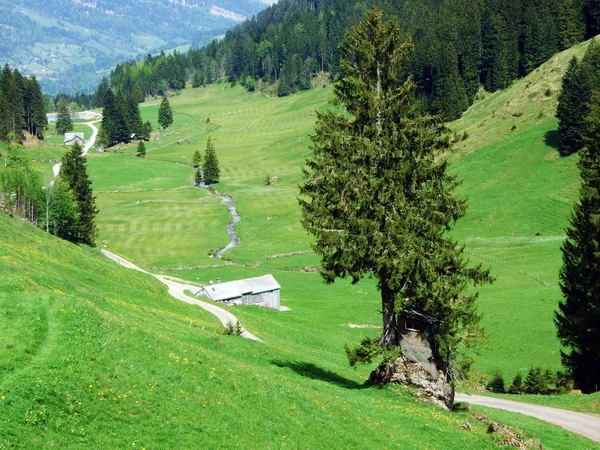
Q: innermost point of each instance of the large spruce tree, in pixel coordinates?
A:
(210, 167)
(114, 126)
(377, 197)
(573, 107)
(74, 173)
(165, 115)
(578, 315)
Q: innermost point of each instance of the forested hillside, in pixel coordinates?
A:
(459, 45)
(64, 43)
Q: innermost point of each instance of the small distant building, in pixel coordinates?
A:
(260, 291)
(71, 138)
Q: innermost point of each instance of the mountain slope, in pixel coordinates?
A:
(65, 43)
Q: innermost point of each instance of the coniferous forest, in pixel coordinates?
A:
(22, 105)
(459, 45)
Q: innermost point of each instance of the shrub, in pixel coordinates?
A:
(536, 382)
(232, 329)
(496, 384)
(563, 383)
(516, 387)
(320, 80)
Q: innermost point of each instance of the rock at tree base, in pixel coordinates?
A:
(404, 371)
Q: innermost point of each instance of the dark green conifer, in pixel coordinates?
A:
(198, 80)
(378, 200)
(64, 124)
(496, 384)
(35, 109)
(147, 130)
(516, 387)
(573, 107)
(141, 149)
(197, 158)
(74, 173)
(211, 164)
(578, 315)
(5, 122)
(165, 115)
(571, 23)
(449, 98)
(113, 123)
(11, 85)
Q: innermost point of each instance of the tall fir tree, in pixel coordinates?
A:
(571, 23)
(578, 315)
(378, 200)
(60, 211)
(74, 173)
(64, 124)
(573, 107)
(165, 114)
(11, 85)
(35, 109)
(210, 167)
(114, 125)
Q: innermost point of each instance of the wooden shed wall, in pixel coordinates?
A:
(271, 299)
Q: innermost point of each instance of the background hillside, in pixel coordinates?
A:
(65, 42)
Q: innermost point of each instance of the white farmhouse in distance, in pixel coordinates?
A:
(259, 291)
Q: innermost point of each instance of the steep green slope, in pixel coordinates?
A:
(97, 355)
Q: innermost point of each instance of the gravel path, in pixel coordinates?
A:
(177, 290)
(583, 424)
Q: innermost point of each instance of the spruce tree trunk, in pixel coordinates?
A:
(390, 324)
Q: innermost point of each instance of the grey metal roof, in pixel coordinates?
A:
(236, 289)
(218, 292)
(69, 137)
(265, 283)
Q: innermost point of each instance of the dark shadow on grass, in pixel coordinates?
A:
(552, 139)
(315, 372)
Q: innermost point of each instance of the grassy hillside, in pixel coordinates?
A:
(520, 193)
(97, 355)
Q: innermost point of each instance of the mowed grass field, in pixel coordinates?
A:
(99, 356)
(520, 194)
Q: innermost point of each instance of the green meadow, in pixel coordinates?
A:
(96, 355)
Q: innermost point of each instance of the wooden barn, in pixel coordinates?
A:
(260, 291)
(71, 138)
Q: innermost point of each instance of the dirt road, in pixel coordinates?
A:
(583, 424)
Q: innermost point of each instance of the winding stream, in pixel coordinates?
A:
(235, 240)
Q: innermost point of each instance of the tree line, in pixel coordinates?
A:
(22, 106)
(459, 45)
(121, 119)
